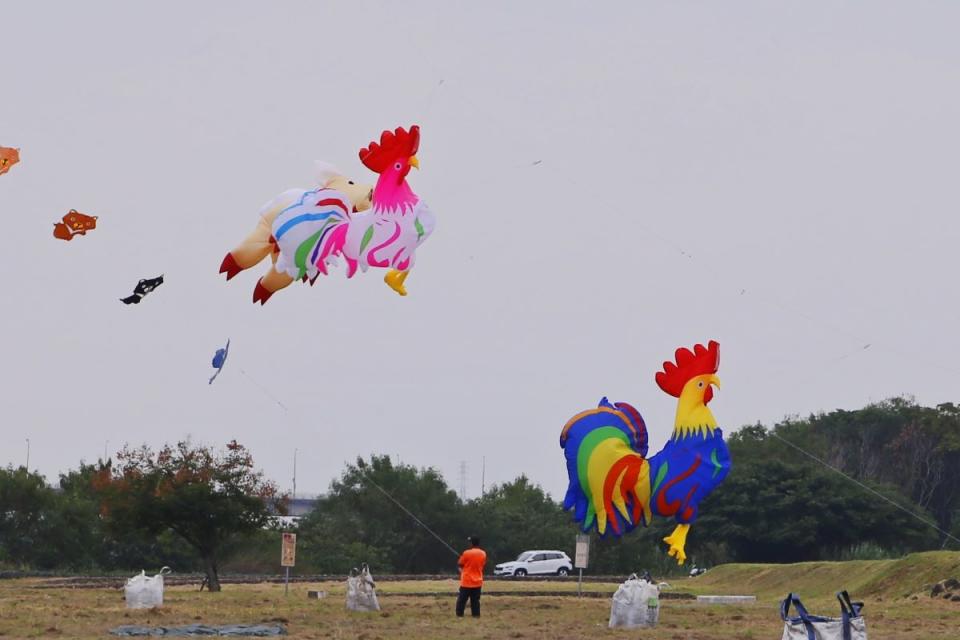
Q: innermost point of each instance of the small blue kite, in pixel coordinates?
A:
(220, 359)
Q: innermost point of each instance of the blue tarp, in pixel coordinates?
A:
(255, 630)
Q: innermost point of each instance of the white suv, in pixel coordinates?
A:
(536, 562)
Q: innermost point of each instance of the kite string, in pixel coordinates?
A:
(450, 85)
(264, 390)
(793, 311)
(863, 486)
(366, 476)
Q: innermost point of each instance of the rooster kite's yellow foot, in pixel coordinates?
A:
(677, 540)
(395, 280)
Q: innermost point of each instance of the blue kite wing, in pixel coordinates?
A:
(219, 359)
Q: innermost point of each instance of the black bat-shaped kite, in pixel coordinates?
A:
(143, 288)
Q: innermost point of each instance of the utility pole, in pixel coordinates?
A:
(106, 444)
(294, 474)
(28, 455)
(483, 477)
(463, 480)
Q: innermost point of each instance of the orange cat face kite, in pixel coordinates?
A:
(8, 158)
(74, 224)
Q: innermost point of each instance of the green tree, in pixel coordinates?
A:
(208, 499)
(25, 502)
(894, 442)
(90, 544)
(355, 522)
(772, 511)
(926, 457)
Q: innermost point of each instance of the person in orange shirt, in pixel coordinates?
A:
(471, 564)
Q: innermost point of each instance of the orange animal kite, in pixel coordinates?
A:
(74, 224)
(8, 158)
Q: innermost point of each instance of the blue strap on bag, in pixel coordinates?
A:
(803, 617)
(848, 611)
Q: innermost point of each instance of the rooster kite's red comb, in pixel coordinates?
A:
(689, 365)
(394, 145)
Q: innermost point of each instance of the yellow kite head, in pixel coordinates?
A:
(691, 379)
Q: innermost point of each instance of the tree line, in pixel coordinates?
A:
(894, 487)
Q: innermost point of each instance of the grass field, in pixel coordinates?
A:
(892, 589)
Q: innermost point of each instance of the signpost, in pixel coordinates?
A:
(288, 557)
(581, 559)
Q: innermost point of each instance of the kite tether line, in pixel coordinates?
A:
(946, 534)
(264, 390)
(366, 476)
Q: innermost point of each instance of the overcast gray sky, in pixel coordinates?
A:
(611, 181)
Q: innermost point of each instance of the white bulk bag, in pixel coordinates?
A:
(635, 604)
(145, 592)
(361, 590)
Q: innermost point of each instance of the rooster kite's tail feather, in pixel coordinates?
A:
(609, 475)
(311, 232)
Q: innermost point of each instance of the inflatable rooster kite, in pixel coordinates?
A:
(306, 231)
(615, 486)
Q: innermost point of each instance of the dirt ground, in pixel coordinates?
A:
(26, 611)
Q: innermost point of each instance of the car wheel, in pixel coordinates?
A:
(563, 572)
(520, 573)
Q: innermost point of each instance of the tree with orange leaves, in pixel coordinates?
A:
(208, 498)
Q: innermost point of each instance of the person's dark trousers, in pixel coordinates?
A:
(474, 594)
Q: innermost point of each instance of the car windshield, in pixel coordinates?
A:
(524, 556)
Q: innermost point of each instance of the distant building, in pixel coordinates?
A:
(299, 507)
(296, 509)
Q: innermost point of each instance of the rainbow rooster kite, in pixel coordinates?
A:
(613, 484)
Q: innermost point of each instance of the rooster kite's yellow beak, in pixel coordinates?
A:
(413, 162)
(714, 380)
